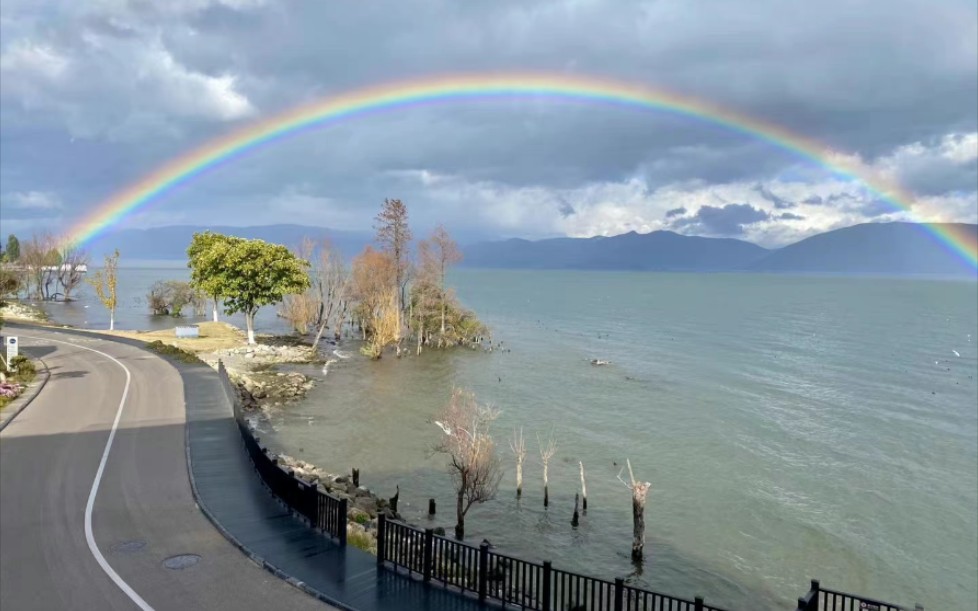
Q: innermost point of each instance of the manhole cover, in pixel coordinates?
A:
(127, 547)
(182, 561)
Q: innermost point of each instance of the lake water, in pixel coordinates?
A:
(792, 427)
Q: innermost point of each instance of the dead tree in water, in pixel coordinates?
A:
(473, 462)
(546, 453)
(583, 487)
(639, 491)
(518, 445)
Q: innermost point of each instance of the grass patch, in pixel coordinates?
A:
(361, 540)
(173, 351)
(213, 336)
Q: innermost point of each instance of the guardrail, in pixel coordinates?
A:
(477, 570)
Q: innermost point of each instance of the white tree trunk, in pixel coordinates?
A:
(583, 485)
(215, 309)
(546, 485)
(111, 320)
(250, 323)
(519, 477)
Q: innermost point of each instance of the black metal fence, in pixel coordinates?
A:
(512, 582)
(323, 511)
(820, 599)
(477, 570)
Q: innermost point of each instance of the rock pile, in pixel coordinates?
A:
(363, 506)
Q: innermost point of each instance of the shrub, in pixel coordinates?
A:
(361, 540)
(172, 351)
(361, 518)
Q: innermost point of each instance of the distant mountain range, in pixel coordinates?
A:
(871, 248)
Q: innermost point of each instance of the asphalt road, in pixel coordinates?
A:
(141, 512)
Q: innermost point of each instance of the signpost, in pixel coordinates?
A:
(12, 351)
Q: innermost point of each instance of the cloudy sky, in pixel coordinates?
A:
(96, 94)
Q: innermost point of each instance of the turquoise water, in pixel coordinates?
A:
(792, 428)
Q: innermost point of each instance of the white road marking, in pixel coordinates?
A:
(89, 536)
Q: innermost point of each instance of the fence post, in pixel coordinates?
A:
(483, 571)
(547, 567)
(619, 594)
(381, 536)
(429, 542)
(698, 603)
(341, 523)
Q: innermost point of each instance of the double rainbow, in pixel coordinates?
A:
(400, 95)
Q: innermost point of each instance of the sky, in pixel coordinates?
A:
(96, 94)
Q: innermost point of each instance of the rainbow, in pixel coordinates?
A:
(398, 95)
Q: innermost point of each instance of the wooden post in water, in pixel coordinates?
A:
(639, 492)
(356, 477)
(431, 508)
(583, 488)
(575, 521)
(393, 499)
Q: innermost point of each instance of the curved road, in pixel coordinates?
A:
(142, 512)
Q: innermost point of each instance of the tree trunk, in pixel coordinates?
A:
(215, 309)
(583, 487)
(546, 487)
(111, 320)
(319, 334)
(460, 515)
(250, 324)
(639, 492)
(443, 313)
(519, 478)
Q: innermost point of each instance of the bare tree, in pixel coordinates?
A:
(394, 238)
(302, 309)
(468, 442)
(73, 265)
(640, 491)
(446, 253)
(39, 258)
(518, 445)
(329, 280)
(546, 453)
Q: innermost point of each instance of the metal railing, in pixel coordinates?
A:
(323, 511)
(477, 570)
(512, 582)
(821, 599)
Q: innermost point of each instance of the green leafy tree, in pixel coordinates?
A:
(206, 262)
(13, 248)
(249, 274)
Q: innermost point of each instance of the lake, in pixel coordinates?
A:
(792, 427)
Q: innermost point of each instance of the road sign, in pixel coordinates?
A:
(12, 347)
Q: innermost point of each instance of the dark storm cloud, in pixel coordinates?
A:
(565, 208)
(95, 95)
(729, 220)
(675, 212)
(778, 202)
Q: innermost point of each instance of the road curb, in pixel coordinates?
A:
(32, 391)
(261, 562)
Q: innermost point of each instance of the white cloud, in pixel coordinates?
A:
(32, 200)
